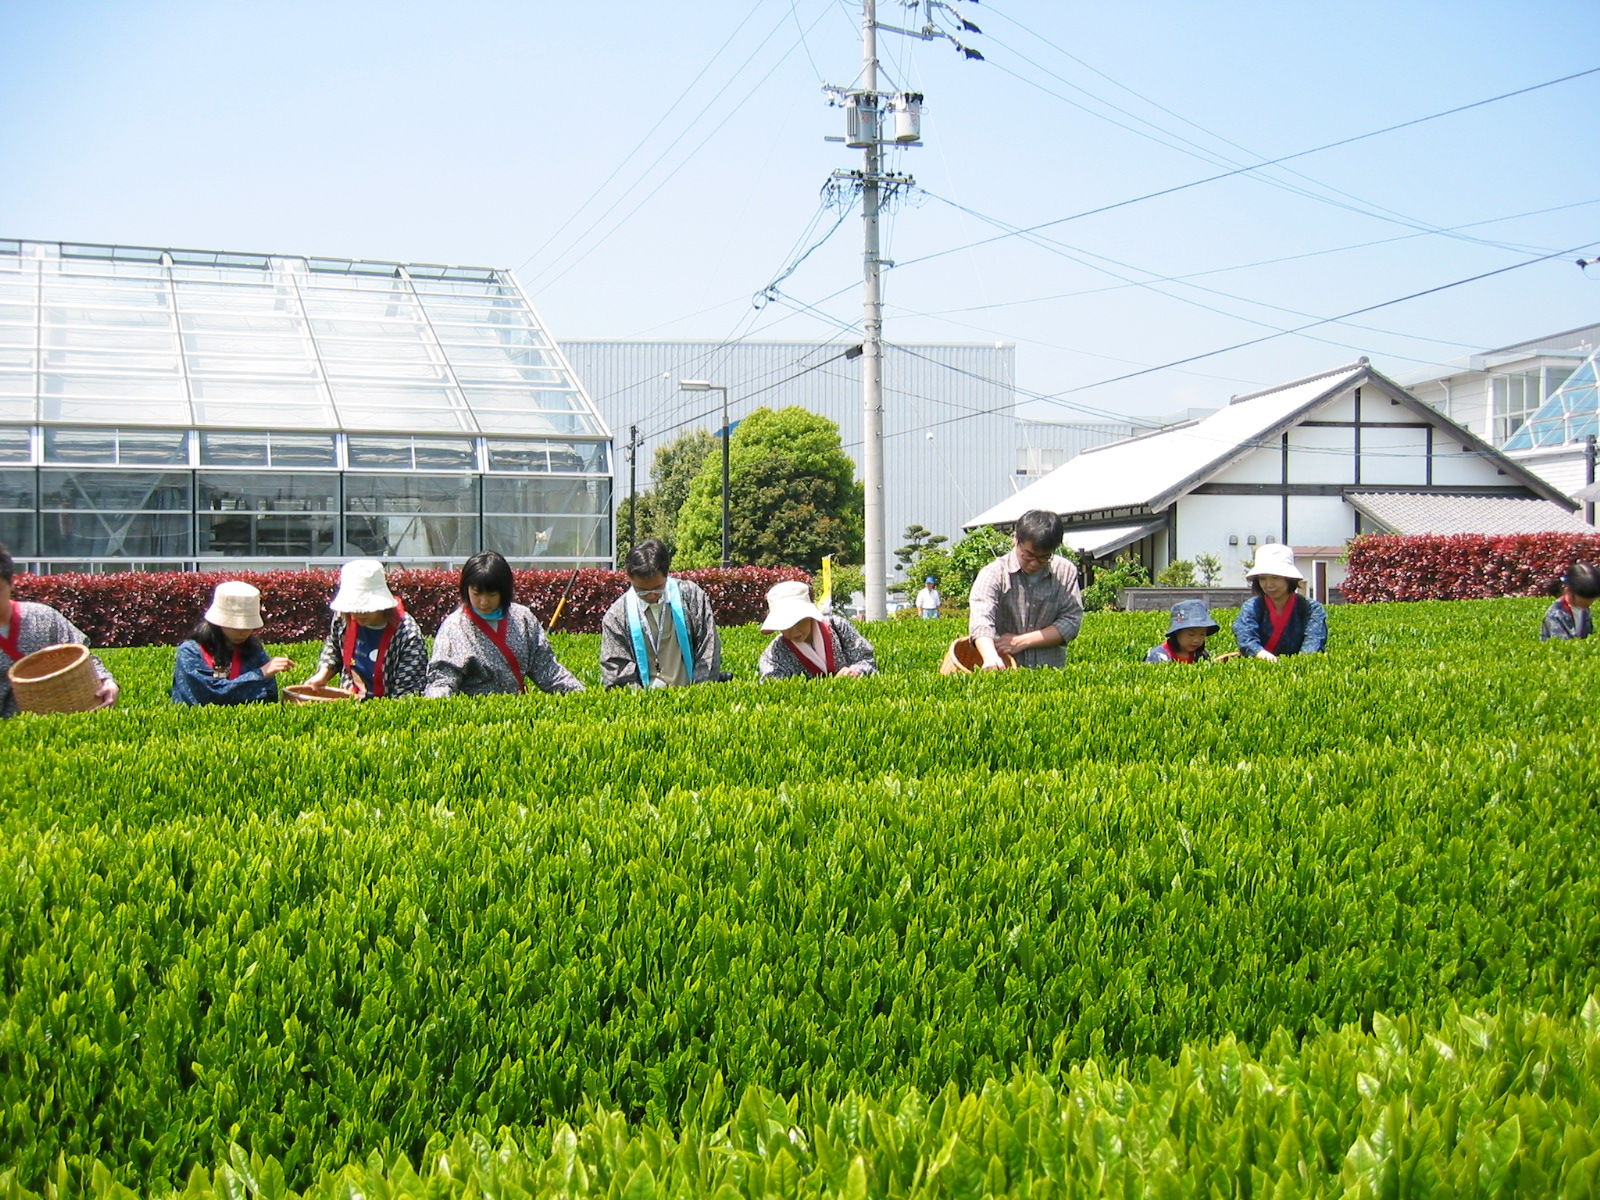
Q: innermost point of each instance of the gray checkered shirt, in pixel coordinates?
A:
(1005, 599)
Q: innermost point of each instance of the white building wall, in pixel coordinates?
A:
(937, 481)
(1394, 456)
(1318, 455)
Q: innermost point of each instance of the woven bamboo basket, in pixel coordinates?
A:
(963, 658)
(57, 679)
(310, 693)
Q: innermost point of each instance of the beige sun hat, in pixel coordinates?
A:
(788, 604)
(1275, 559)
(235, 605)
(362, 588)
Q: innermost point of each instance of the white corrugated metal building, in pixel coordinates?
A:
(935, 474)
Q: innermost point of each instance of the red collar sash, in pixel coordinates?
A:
(810, 667)
(1280, 620)
(11, 644)
(1172, 652)
(383, 646)
(498, 637)
(234, 668)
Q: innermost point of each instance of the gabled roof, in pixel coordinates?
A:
(1443, 514)
(1144, 475)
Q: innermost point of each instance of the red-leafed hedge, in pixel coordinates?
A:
(1468, 566)
(149, 609)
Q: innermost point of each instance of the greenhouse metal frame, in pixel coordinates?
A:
(176, 409)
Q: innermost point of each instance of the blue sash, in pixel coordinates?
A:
(641, 652)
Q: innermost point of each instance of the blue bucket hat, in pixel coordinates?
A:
(1192, 614)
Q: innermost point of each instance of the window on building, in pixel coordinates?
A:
(1039, 460)
(1518, 396)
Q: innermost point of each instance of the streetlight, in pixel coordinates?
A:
(700, 385)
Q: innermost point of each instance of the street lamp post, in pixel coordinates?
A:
(700, 385)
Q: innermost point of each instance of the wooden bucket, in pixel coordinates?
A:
(310, 693)
(963, 658)
(57, 679)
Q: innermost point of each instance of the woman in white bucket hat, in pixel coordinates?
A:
(1278, 620)
(810, 644)
(372, 642)
(224, 662)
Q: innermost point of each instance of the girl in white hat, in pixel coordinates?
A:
(1278, 620)
(372, 642)
(224, 662)
(810, 644)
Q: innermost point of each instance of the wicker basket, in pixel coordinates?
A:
(311, 693)
(57, 679)
(963, 658)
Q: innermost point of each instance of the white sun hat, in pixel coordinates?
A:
(1275, 559)
(235, 605)
(362, 588)
(788, 604)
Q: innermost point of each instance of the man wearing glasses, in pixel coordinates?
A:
(1027, 604)
(661, 632)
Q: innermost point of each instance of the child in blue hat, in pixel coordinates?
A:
(1186, 640)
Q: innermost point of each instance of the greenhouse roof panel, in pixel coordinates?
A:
(1570, 413)
(222, 339)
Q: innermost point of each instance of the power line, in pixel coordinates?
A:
(1194, 149)
(1056, 398)
(1265, 262)
(1255, 166)
(759, 391)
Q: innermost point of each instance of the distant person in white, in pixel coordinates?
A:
(928, 599)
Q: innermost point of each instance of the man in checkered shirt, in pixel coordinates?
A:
(1027, 604)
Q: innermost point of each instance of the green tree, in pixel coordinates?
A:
(673, 470)
(1209, 568)
(1177, 573)
(970, 555)
(792, 494)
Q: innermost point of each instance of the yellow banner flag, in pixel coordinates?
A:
(827, 576)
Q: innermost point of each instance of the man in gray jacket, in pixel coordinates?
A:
(661, 632)
(1027, 604)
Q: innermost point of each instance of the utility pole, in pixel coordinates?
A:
(875, 119)
(877, 559)
(1588, 475)
(633, 488)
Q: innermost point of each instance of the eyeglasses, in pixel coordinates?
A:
(651, 596)
(1027, 553)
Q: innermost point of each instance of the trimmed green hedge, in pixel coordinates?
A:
(336, 932)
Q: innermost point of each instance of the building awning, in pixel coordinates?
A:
(1588, 495)
(1445, 514)
(1097, 543)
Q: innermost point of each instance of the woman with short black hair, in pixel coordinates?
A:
(224, 662)
(492, 645)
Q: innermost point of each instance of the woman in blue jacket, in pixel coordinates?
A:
(224, 662)
(1278, 620)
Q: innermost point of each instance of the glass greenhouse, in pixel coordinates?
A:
(165, 409)
(1570, 414)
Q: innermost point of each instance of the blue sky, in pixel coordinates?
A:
(647, 168)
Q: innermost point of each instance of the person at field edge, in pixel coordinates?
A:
(27, 626)
(662, 631)
(1186, 638)
(224, 662)
(1278, 620)
(373, 645)
(1570, 615)
(810, 644)
(492, 645)
(1027, 604)
(928, 599)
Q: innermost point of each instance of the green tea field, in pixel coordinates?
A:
(1329, 927)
